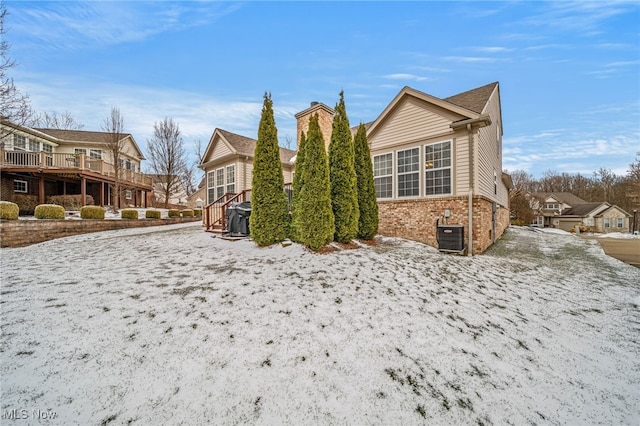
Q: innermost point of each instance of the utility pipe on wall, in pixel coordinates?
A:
(471, 182)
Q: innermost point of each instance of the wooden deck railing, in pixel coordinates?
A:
(81, 162)
(215, 213)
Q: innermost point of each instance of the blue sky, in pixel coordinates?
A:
(569, 71)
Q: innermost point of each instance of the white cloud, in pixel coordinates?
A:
(403, 76)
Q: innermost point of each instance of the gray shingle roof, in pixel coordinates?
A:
(474, 99)
(246, 146)
(581, 209)
(563, 197)
(78, 135)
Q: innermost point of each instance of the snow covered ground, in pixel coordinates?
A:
(169, 325)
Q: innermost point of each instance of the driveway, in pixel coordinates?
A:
(627, 250)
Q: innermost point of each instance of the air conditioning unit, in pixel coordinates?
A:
(451, 238)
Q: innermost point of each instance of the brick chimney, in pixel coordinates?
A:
(325, 119)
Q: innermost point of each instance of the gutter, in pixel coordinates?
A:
(471, 183)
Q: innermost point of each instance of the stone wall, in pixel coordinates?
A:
(19, 233)
(416, 219)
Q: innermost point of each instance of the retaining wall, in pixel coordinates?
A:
(20, 233)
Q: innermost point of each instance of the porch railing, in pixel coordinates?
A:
(81, 162)
(215, 213)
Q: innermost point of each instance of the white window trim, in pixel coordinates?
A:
(227, 183)
(220, 184)
(606, 223)
(619, 222)
(128, 195)
(26, 186)
(393, 169)
(396, 174)
(450, 167)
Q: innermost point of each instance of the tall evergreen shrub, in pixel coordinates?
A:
(269, 220)
(344, 193)
(315, 216)
(368, 220)
(298, 183)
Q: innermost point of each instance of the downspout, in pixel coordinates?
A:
(471, 182)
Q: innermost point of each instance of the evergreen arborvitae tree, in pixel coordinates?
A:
(368, 220)
(269, 220)
(298, 183)
(315, 217)
(344, 192)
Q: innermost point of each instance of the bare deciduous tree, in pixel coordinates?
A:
(167, 156)
(14, 105)
(114, 144)
(55, 120)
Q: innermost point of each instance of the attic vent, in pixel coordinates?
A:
(314, 103)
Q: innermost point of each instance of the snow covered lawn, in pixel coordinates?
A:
(171, 326)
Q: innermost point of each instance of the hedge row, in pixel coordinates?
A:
(11, 211)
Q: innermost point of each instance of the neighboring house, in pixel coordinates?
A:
(197, 200)
(565, 211)
(177, 194)
(435, 161)
(40, 163)
(549, 205)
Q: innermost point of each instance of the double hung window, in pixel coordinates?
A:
(438, 168)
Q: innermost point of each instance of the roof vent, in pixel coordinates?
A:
(314, 103)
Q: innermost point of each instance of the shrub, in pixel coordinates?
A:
(70, 202)
(9, 210)
(368, 220)
(129, 214)
(344, 186)
(49, 211)
(174, 213)
(197, 212)
(188, 213)
(152, 214)
(92, 212)
(298, 184)
(26, 203)
(314, 217)
(269, 220)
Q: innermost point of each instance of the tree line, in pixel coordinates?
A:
(602, 186)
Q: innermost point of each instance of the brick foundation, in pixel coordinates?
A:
(19, 233)
(416, 219)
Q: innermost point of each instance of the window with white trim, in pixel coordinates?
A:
(383, 175)
(211, 187)
(552, 206)
(231, 179)
(47, 148)
(95, 153)
(34, 145)
(619, 222)
(607, 222)
(80, 151)
(219, 183)
(437, 162)
(19, 142)
(408, 172)
(20, 186)
(127, 194)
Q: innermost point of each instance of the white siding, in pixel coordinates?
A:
(412, 120)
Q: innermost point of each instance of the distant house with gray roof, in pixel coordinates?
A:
(565, 211)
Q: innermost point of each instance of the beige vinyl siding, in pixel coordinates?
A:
(413, 120)
(489, 156)
(220, 150)
(461, 164)
(247, 173)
